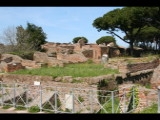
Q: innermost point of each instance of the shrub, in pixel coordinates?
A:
(80, 98)
(7, 106)
(134, 101)
(20, 108)
(24, 55)
(34, 109)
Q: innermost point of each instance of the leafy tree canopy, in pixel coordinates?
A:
(106, 40)
(36, 36)
(75, 40)
(125, 20)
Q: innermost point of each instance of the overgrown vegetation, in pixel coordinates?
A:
(152, 109)
(148, 85)
(52, 103)
(23, 54)
(80, 98)
(6, 106)
(108, 108)
(20, 108)
(74, 70)
(144, 58)
(134, 99)
(34, 109)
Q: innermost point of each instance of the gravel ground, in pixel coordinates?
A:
(12, 110)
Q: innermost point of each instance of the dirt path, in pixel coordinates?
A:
(12, 110)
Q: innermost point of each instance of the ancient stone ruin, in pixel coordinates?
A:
(59, 54)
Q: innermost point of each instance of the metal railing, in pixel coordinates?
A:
(69, 100)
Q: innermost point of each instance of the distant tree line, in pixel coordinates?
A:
(140, 25)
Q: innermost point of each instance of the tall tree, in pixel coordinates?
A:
(21, 37)
(154, 17)
(147, 37)
(9, 36)
(36, 36)
(125, 20)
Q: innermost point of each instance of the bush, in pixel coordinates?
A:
(34, 109)
(6, 106)
(20, 108)
(152, 109)
(24, 55)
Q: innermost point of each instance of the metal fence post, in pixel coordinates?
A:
(2, 92)
(124, 104)
(40, 98)
(158, 99)
(112, 97)
(133, 93)
(55, 106)
(72, 93)
(90, 96)
(26, 90)
(14, 95)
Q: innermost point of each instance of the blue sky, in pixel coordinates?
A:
(61, 24)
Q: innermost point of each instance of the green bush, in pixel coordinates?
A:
(34, 109)
(134, 101)
(6, 106)
(152, 109)
(24, 55)
(108, 106)
(20, 108)
(148, 85)
(89, 61)
(80, 98)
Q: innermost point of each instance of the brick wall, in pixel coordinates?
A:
(13, 67)
(131, 68)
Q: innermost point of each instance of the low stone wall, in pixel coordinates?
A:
(44, 80)
(141, 77)
(131, 68)
(49, 80)
(143, 66)
(155, 80)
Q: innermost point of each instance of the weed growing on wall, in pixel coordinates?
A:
(134, 99)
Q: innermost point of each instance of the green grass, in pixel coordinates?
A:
(34, 109)
(108, 107)
(7, 106)
(20, 108)
(148, 85)
(74, 70)
(152, 109)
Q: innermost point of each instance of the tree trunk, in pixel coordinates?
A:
(131, 48)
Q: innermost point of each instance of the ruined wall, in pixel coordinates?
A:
(155, 80)
(67, 46)
(72, 58)
(146, 97)
(113, 52)
(96, 52)
(143, 66)
(88, 53)
(13, 67)
(131, 68)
